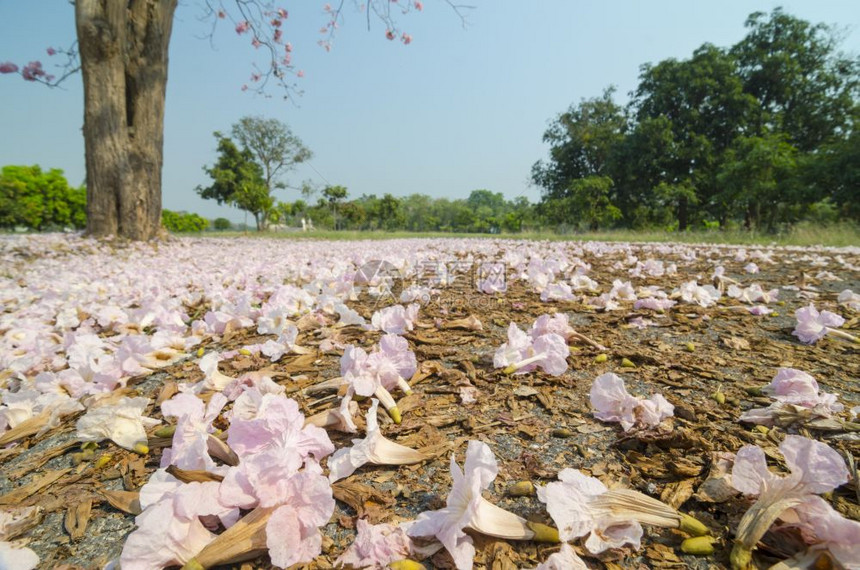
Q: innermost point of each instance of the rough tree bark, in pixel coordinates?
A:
(123, 48)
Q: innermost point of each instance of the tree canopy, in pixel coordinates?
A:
(761, 134)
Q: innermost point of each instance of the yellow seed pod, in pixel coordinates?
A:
(690, 347)
(600, 358)
(719, 397)
(200, 352)
(406, 564)
(761, 429)
(244, 352)
(141, 448)
(627, 363)
(103, 460)
(165, 431)
(699, 545)
(521, 489)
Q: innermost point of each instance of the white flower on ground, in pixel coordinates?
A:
(813, 325)
(564, 559)
(376, 546)
(814, 468)
(612, 403)
(693, 293)
(466, 507)
(123, 423)
(375, 448)
(17, 557)
(581, 505)
(523, 354)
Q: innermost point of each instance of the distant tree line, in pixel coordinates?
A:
(482, 212)
(760, 135)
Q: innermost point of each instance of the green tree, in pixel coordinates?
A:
(582, 141)
(706, 107)
(238, 181)
(334, 195)
(389, 212)
(804, 87)
(274, 146)
(222, 224)
(759, 179)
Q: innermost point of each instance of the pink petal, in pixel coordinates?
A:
(289, 541)
(749, 473)
(612, 402)
(564, 559)
(820, 466)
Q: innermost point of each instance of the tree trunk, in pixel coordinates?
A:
(683, 220)
(123, 48)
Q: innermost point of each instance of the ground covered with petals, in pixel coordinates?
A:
(206, 379)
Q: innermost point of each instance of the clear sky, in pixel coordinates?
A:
(461, 108)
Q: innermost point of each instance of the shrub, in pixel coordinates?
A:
(40, 200)
(181, 222)
(222, 224)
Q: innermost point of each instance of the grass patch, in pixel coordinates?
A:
(806, 234)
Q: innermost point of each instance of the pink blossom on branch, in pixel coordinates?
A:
(8, 67)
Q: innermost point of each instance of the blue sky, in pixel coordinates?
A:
(460, 108)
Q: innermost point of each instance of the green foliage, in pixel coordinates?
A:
(754, 134)
(40, 200)
(273, 145)
(238, 181)
(183, 222)
(587, 202)
(245, 175)
(222, 224)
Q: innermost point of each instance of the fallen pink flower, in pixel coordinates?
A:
(396, 319)
(654, 304)
(522, 354)
(692, 292)
(612, 403)
(375, 449)
(376, 546)
(559, 324)
(797, 387)
(467, 508)
(564, 559)
(814, 468)
(16, 556)
(193, 438)
(123, 423)
(823, 528)
(813, 325)
(581, 505)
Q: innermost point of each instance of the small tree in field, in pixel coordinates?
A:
(238, 181)
(274, 146)
(222, 224)
(335, 195)
(121, 50)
